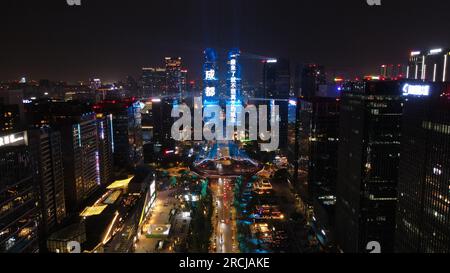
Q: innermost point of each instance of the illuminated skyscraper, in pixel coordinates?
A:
(184, 82)
(105, 148)
(234, 83)
(429, 65)
(81, 164)
(47, 153)
(173, 76)
(127, 131)
(423, 219)
(210, 78)
(79, 140)
(234, 80)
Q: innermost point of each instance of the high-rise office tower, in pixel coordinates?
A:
(131, 87)
(9, 118)
(276, 79)
(316, 163)
(153, 82)
(293, 140)
(211, 93)
(38, 113)
(234, 84)
(319, 138)
(127, 131)
(81, 165)
(184, 83)
(423, 218)
(19, 213)
(157, 124)
(162, 120)
(173, 76)
(79, 138)
(429, 65)
(368, 158)
(105, 148)
(276, 89)
(313, 78)
(13, 109)
(297, 88)
(147, 121)
(46, 148)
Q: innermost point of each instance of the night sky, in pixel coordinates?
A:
(113, 39)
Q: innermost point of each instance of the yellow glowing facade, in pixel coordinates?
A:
(120, 183)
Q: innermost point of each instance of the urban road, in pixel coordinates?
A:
(224, 216)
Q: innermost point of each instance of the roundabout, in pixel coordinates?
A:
(225, 159)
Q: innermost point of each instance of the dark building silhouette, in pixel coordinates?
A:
(12, 110)
(47, 152)
(19, 214)
(131, 87)
(77, 125)
(318, 154)
(153, 82)
(158, 139)
(275, 90)
(312, 78)
(318, 139)
(368, 158)
(127, 131)
(9, 118)
(423, 218)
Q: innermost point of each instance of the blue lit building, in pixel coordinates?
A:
(210, 78)
(234, 82)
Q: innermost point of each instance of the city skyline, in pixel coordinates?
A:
(232, 127)
(50, 40)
